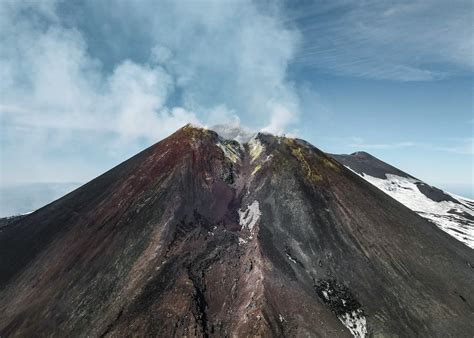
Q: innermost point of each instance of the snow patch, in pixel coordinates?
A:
(355, 322)
(447, 215)
(250, 216)
(291, 258)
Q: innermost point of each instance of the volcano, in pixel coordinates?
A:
(199, 235)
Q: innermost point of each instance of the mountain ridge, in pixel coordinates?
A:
(453, 214)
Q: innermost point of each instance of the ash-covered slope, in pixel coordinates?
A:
(453, 214)
(203, 236)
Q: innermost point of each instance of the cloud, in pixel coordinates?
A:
(95, 77)
(281, 116)
(85, 84)
(52, 82)
(399, 145)
(463, 146)
(218, 53)
(402, 41)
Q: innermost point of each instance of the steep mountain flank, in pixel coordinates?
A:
(198, 235)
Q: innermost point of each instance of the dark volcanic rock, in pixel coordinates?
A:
(198, 236)
(6, 221)
(434, 193)
(364, 163)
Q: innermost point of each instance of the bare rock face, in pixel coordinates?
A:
(201, 236)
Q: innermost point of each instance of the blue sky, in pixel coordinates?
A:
(86, 84)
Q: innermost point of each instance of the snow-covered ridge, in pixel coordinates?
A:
(456, 219)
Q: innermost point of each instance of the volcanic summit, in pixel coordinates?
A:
(204, 236)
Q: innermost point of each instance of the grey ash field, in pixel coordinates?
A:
(202, 236)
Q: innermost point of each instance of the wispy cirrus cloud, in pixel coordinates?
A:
(398, 145)
(403, 40)
(463, 146)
